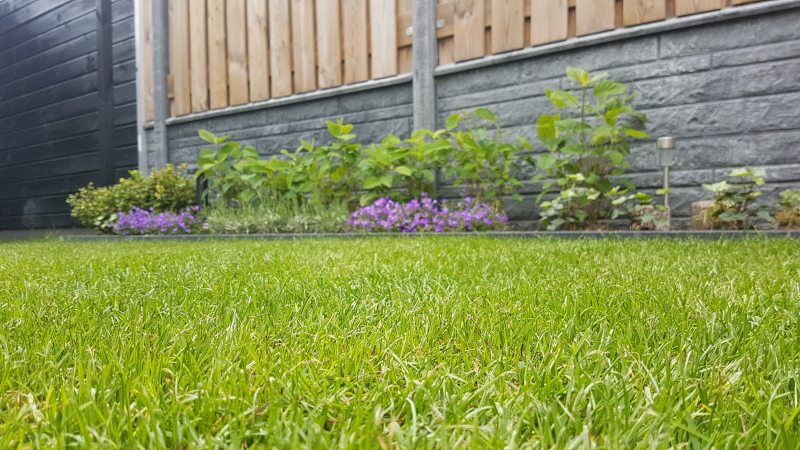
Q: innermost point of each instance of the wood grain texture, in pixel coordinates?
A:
(643, 11)
(594, 16)
(446, 44)
(280, 47)
(508, 20)
(405, 56)
(741, 2)
(198, 55)
(257, 50)
(303, 46)
(147, 55)
(179, 57)
(469, 26)
(217, 55)
(329, 49)
(549, 20)
(355, 39)
(685, 7)
(236, 18)
(383, 36)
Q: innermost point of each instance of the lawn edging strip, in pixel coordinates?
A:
(710, 235)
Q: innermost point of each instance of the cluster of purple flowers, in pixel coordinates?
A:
(142, 221)
(428, 215)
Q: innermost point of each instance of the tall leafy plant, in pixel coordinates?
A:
(734, 204)
(587, 148)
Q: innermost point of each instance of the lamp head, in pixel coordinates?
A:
(666, 151)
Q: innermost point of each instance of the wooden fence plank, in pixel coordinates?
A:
(383, 34)
(179, 56)
(594, 16)
(643, 11)
(236, 18)
(147, 64)
(303, 46)
(446, 44)
(280, 47)
(405, 56)
(469, 26)
(257, 50)
(741, 2)
(548, 21)
(684, 7)
(356, 50)
(329, 51)
(217, 55)
(198, 49)
(508, 20)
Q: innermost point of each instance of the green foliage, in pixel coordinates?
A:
(789, 215)
(734, 204)
(585, 157)
(288, 216)
(164, 190)
(481, 160)
(633, 207)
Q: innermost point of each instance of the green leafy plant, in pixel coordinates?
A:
(484, 164)
(789, 215)
(285, 216)
(585, 155)
(734, 204)
(639, 209)
(164, 190)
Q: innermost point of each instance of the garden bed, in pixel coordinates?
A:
(712, 234)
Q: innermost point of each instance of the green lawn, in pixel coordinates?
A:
(401, 343)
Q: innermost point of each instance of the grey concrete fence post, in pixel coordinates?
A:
(425, 57)
(160, 69)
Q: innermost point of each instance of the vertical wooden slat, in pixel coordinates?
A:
(508, 20)
(684, 7)
(643, 11)
(147, 64)
(280, 46)
(447, 44)
(303, 46)
(217, 55)
(405, 56)
(469, 26)
(594, 16)
(548, 21)
(198, 50)
(741, 2)
(356, 36)
(383, 33)
(329, 51)
(237, 52)
(257, 50)
(179, 56)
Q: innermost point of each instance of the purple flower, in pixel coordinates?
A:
(141, 221)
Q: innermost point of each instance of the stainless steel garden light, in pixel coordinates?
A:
(666, 157)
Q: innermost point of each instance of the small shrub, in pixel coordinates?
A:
(427, 215)
(734, 204)
(639, 210)
(278, 217)
(164, 190)
(147, 221)
(789, 215)
(584, 155)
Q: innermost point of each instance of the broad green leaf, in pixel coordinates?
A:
(250, 152)
(453, 121)
(545, 127)
(207, 153)
(517, 197)
(546, 161)
(609, 87)
(485, 114)
(575, 177)
(573, 149)
(403, 170)
(637, 133)
(207, 136)
(372, 182)
(617, 158)
(386, 180)
(578, 75)
(663, 191)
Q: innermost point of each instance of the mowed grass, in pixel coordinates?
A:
(401, 343)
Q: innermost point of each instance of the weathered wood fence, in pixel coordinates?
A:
(231, 52)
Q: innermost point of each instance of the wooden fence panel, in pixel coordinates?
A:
(594, 16)
(508, 20)
(447, 43)
(329, 50)
(469, 25)
(198, 58)
(405, 56)
(685, 7)
(742, 2)
(217, 55)
(643, 11)
(549, 20)
(179, 57)
(280, 46)
(303, 46)
(355, 39)
(383, 26)
(147, 55)
(236, 18)
(257, 50)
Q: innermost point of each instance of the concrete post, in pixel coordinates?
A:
(425, 56)
(160, 69)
